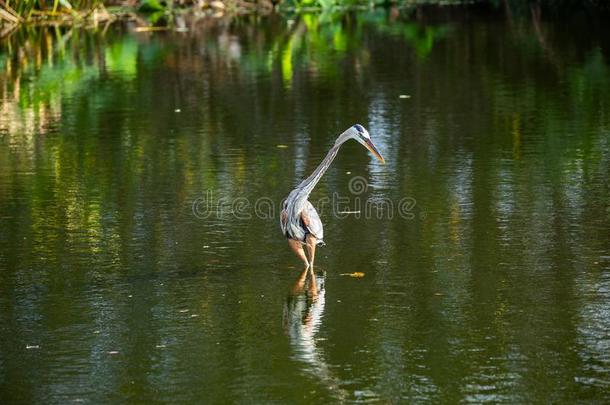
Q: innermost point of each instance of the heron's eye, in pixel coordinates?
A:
(359, 128)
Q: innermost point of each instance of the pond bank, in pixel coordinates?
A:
(147, 13)
(168, 14)
(152, 15)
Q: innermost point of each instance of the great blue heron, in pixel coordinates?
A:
(299, 220)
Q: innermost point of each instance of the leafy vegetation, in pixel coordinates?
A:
(70, 11)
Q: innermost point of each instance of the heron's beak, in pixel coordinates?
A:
(369, 145)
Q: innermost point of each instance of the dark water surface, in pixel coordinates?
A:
(492, 283)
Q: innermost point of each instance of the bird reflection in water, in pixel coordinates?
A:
(303, 314)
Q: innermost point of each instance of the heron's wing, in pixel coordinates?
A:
(312, 221)
(283, 220)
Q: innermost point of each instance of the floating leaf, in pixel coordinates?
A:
(356, 274)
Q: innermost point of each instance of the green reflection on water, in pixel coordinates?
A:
(121, 58)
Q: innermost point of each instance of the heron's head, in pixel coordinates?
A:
(360, 134)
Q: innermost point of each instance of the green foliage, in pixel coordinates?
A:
(325, 4)
(153, 5)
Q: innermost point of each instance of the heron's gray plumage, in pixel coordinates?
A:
(297, 207)
(314, 224)
(299, 218)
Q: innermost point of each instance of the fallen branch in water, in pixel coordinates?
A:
(8, 14)
(8, 29)
(148, 28)
(66, 15)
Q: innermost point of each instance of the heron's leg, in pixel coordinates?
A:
(297, 248)
(311, 242)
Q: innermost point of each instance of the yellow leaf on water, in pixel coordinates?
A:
(356, 274)
(281, 146)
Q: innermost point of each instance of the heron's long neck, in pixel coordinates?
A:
(309, 183)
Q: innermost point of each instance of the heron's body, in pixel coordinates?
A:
(307, 223)
(299, 220)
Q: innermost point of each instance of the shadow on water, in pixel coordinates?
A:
(302, 319)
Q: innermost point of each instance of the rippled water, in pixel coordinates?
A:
(129, 271)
